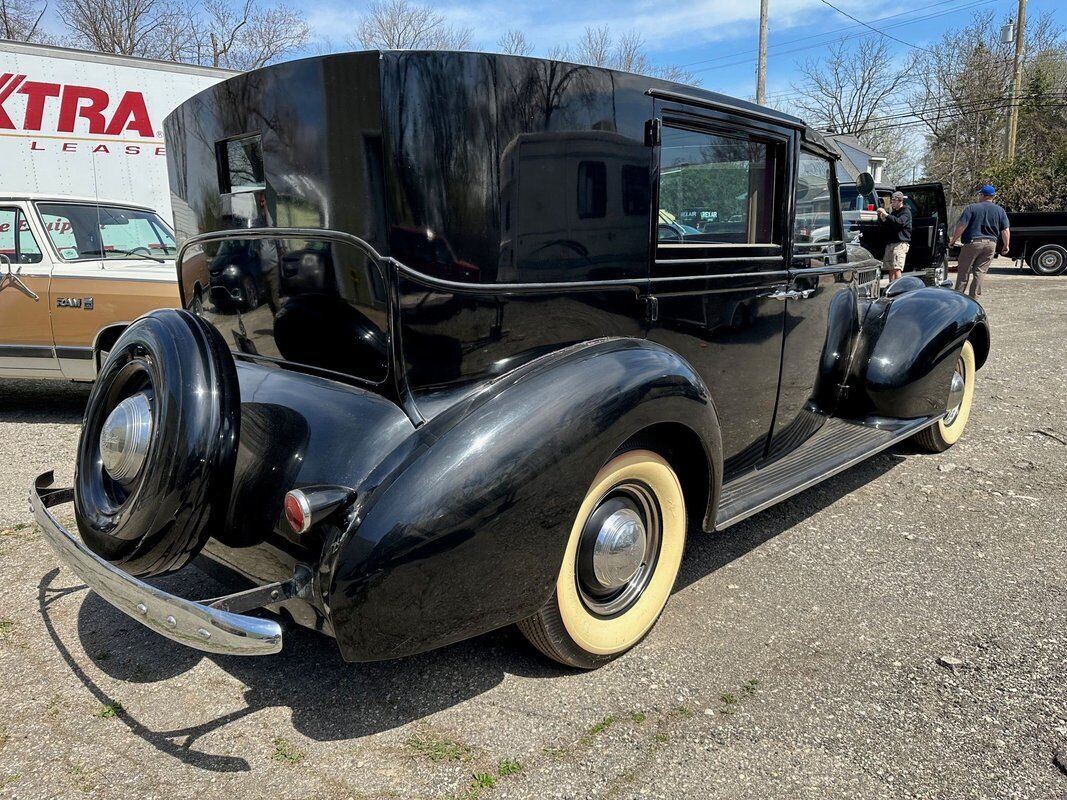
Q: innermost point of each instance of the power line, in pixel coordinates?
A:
(881, 33)
(819, 35)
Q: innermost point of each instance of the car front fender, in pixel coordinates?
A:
(907, 349)
(467, 534)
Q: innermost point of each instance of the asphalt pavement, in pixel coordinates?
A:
(898, 631)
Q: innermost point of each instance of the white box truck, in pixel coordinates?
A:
(75, 122)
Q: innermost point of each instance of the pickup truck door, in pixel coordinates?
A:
(929, 236)
(820, 309)
(718, 265)
(26, 346)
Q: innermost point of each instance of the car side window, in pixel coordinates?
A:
(17, 242)
(815, 220)
(715, 188)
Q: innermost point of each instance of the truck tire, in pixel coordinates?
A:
(1048, 259)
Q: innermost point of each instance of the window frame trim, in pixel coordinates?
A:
(779, 143)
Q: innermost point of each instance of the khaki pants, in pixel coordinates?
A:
(895, 254)
(974, 262)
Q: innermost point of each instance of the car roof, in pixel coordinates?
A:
(38, 197)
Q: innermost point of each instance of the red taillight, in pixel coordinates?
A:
(297, 511)
(870, 206)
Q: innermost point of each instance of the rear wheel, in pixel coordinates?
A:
(1048, 259)
(947, 430)
(620, 564)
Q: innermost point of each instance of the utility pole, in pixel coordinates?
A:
(761, 66)
(1013, 112)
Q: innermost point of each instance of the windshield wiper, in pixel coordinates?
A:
(104, 254)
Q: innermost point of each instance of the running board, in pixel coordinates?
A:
(836, 446)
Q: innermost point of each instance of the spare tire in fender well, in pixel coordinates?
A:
(160, 521)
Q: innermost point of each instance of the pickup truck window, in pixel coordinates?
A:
(111, 232)
(715, 189)
(16, 239)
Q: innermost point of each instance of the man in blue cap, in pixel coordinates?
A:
(981, 226)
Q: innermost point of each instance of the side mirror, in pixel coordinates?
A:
(865, 182)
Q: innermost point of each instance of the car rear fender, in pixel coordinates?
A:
(467, 534)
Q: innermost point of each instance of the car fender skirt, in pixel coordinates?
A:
(908, 348)
(468, 534)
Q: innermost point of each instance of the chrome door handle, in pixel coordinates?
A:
(791, 294)
(14, 279)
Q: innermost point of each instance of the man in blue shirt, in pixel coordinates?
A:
(981, 226)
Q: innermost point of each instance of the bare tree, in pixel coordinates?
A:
(126, 27)
(850, 87)
(515, 43)
(244, 36)
(20, 20)
(600, 48)
(402, 25)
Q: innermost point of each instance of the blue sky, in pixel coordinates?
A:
(716, 39)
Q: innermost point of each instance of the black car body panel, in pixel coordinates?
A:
(491, 274)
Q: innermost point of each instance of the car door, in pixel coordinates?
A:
(716, 273)
(26, 346)
(820, 310)
(929, 236)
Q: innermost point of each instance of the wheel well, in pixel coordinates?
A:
(979, 340)
(105, 339)
(682, 448)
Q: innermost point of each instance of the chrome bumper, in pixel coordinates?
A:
(187, 621)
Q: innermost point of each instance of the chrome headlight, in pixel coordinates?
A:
(125, 437)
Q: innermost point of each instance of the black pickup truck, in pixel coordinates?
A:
(1039, 238)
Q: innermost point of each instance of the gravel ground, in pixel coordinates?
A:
(895, 632)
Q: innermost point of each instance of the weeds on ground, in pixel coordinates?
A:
(109, 710)
(6, 626)
(286, 752)
(438, 748)
(508, 767)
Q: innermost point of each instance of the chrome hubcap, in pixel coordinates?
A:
(955, 393)
(125, 437)
(618, 549)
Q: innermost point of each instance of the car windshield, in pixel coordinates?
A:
(111, 232)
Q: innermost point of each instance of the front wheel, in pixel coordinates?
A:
(946, 431)
(1048, 259)
(620, 565)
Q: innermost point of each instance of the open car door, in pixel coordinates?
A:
(929, 238)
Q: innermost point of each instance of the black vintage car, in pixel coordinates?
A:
(524, 424)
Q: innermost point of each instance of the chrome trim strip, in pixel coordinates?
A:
(185, 621)
(720, 260)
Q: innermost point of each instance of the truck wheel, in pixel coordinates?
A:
(620, 565)
(1048, 259)
(947, 430)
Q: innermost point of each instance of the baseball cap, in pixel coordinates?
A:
(988, 190)
(898, 196)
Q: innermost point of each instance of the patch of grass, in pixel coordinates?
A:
(286, 752)
(683, 712)
(602, 726)
(751, 686)
(507, 767)
(109, 710)
(638, 717)
(438, 748)
(484, 780)
(728, 699)
(660, 738)
(6, 627)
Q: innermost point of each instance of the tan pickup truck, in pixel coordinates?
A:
(73, 274)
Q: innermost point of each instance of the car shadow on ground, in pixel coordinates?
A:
(43, 402)
(332, 700)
